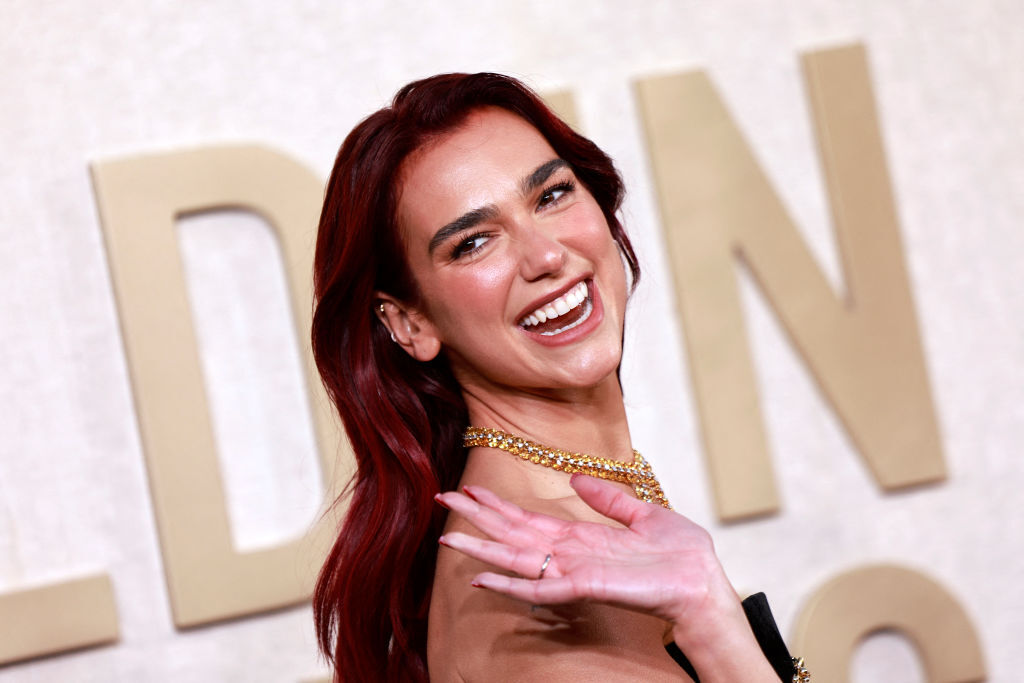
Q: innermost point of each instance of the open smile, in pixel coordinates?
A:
(562, 314)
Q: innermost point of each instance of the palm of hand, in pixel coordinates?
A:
(660, 564)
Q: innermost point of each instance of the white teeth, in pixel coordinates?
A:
(587, 309)
(559, 307)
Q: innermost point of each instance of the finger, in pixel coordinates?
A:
(547, 591)
(610, 500)
(523, 561)
(490, 522)
(547, 525)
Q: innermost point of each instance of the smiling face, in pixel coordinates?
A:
(518, 276)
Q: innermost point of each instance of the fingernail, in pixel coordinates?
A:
(440, 501)
(468, 492)
(443, 540)
(476, 584)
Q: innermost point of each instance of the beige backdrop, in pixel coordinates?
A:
(87, 84)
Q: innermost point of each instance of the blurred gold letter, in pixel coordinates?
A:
(854, 604)
(139, 199)
(57, 617)
(863, 350)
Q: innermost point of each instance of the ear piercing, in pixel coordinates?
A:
(380, 307)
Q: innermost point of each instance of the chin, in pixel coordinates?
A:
(593, 372)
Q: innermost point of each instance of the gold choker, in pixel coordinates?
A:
(638, 474)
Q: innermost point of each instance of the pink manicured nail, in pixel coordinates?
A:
(440, 501)
(443, 541)
(468, 492)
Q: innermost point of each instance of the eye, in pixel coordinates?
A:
(553, 194)
(469, 245)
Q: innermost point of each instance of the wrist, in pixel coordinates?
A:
(697, 621)
(715, 626)
(718, 641)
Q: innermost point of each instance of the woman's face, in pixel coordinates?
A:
(519, 278)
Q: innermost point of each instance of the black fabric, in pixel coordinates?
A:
(762, 623)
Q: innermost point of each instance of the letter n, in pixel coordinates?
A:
(863, 349)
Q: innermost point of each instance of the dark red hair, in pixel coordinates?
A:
(404, 418)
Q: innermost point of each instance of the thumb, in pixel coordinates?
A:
(610, 500)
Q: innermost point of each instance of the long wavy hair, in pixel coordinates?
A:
(404, 418)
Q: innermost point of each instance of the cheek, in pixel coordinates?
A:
(478, 292)
(589, 227)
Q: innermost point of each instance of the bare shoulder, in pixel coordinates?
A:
(475, 634)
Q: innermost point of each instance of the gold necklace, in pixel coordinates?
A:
(638, 474)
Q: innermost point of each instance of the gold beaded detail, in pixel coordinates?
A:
(800, 674)
(637, 474)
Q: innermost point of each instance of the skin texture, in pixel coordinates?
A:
(625, 575)
(538, 244)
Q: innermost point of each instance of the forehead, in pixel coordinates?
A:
(479, 163)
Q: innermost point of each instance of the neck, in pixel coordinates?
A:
(591, 420)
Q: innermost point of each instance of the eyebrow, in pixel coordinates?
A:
(541, 175)
(463, 222)
(479, 215)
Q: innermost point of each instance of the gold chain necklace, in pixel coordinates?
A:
(638, 474)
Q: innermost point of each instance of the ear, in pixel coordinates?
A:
(409, 328)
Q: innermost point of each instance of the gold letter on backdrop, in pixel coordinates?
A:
(564, 105)
(139, 200)
(864, 350)
(57, 617)
(853, 605)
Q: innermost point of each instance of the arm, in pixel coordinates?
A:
(660, 564)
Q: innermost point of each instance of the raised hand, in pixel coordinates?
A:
(661, 563)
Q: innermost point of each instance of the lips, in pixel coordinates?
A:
(561, 314)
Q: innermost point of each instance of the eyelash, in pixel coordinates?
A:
(566, 186)
(459, 249)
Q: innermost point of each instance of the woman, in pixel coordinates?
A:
(470, 270)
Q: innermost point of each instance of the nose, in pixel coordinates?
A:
(541, 254)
